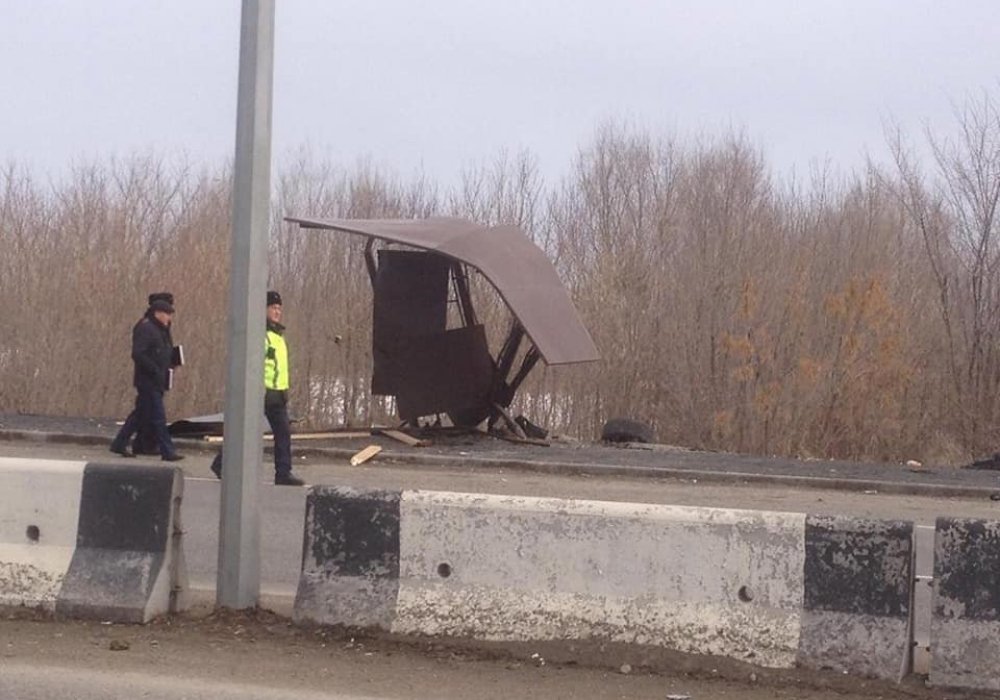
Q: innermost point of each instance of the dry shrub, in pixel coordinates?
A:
(855, 317)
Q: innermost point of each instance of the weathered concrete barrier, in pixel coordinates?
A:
(91, 540)
(965, 617)
(350, 558)
(858, 596)
(762, 587)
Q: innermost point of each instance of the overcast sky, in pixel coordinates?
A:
(438, 84)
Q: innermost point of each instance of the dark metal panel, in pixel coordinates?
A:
(410, 301)
(450, 372)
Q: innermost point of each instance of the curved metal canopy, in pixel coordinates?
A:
(514, 265)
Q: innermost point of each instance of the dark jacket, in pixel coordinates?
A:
(147, 316)
(152, 350)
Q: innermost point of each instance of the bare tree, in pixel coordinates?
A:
(955, 211)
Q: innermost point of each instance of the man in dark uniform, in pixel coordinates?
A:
(276, 385)
(152, 351)
(145, 441)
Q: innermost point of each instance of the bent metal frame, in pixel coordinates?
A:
(431, 369)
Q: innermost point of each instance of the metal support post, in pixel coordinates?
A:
(238, 582)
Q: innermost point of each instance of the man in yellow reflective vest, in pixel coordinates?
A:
(275, 396)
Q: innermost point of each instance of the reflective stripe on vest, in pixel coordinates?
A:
(275, 362)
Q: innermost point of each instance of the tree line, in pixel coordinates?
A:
(844, 315)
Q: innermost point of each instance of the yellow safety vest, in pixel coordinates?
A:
(275, 362)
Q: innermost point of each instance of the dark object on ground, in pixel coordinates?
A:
(530, 429)
(198, 426)
(626, 430)
(992, 463)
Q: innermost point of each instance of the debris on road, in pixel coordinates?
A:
(365, 454)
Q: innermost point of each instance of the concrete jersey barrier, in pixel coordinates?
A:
(858, 596)
(91, 540)
(762, 587)
(965, 613)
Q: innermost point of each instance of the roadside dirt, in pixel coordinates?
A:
(264, 649)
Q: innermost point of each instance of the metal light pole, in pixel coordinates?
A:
(238, 582)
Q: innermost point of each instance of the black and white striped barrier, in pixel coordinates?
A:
(773, 589)
(857, 596)
(965, 613)
(91, 540)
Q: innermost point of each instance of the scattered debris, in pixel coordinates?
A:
(627, 430)
(329, 435)
(404, 438)
(119, 645)
(625, 669)
(365, 454)
(995, 496)
(992, 463)
(520, 440)
(678, 697)
(530, 429)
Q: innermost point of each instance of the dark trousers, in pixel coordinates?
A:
(145, 442)
(276, 412)
(149, 416)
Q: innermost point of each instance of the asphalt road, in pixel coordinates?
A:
(33, 682)
(565, 456)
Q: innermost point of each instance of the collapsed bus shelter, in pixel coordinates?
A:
(420, 266)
